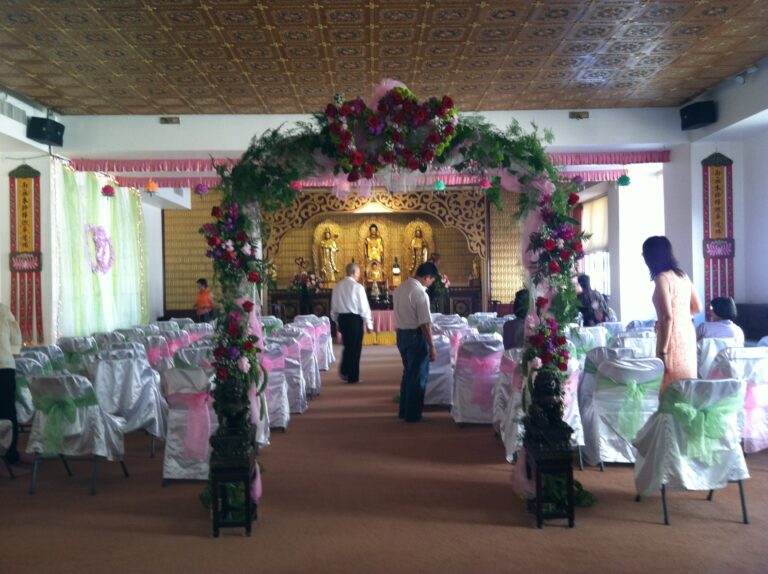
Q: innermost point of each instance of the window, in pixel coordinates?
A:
(594, 220)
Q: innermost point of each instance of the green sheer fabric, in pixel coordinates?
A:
(631, 411)
(60, 411)
(90, 301)
(705, 426)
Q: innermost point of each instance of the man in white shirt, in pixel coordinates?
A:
(350, 310)
(10, 342)
(414, 339)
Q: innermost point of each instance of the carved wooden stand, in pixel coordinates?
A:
(538, 465)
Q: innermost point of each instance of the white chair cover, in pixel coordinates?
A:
(149, 329)
(314, 326)
(707, 350)
(131, 333)
(26, 367)
(191, 422)
(158, 353)
(455, 334)
(613, 327)
(646, 325)
(476, 318)
(494, 325)
(326, 336)
(625, 396)
(199, 331)
(749, 365)
(673, 449)
(92, 430)
(763, 342)
(508, 388)
(439, 389)
(183, 322)
(449, 320)
(309, 365)
(167, 326)
(40, 357)
(195, 356)
(476, 373)
(176, 340)
(54, 353)
(103, 340)
(643, 343)
(269, 323)
(587, 338)
(278, 405)
(294, 374)
(78, 352)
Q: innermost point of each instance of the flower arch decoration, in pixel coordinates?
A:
(98, 249)
(353, 141)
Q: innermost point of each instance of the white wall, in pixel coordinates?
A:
(754, 246)
(153, 244)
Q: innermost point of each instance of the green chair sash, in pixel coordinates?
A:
(21, 383)
(631, 411)
(590, 366)
(60, 411)
(705, 426)
(74, 359)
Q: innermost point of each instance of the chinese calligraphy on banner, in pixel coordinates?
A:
(25, 257)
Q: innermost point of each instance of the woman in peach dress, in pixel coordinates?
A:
(675, 300)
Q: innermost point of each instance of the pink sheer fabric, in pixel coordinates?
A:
(485, 367)
(196, 440)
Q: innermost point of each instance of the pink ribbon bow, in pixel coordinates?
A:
(196, 441)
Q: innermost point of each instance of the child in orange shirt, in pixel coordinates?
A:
(203, 301)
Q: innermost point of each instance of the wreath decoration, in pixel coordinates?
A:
(98, 249)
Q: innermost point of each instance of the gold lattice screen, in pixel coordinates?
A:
(507, 274)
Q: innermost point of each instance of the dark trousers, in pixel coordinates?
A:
(414, 352)
(8, 408)
(351, 327)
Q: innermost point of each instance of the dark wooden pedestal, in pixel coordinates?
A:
(225, 514)
(541, 464)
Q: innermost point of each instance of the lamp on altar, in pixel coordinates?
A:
(151, 187)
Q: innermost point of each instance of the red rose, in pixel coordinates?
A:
(219, 352)
(216, 211)
(397, 97)
(447, 102)
(448, 130)
(248, 346)
(331, 111)
(247, 306)
(233, 330)
(345, 110)
(353, 176)
(399, 118)
(420, 117)
(413, 164)
(222, 373)
(229, 255)
(547, 357)
(573, 198)
(397, 137)
(554, 267)
(388, 156)
(565, 254)
(212, 241)
(254, 277)
(561, 340)
(335, 129)
(241, 236)
(563, 366)
(383, 107)
(409, 106)
(341, 148)
(356, 158)
(434, 138)
(577, 246)
(368, 170)
(372, 121)
(541, 302)
(428, 155)
(346, 136)
(550, 244)
(537, 340)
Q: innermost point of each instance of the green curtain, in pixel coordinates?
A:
(90, 301)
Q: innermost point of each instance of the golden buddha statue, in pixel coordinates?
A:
(327, 252)
(374, 274)
(374, 246)
(396, 273)
(419, 249)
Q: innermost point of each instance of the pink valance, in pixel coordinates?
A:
(140, 182)
(149, 165)
(610, 157)
(594, 175)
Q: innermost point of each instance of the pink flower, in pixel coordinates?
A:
(296, 185)
(535, 363)
(244, 364)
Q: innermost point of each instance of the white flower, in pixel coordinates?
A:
(244, 364)
(247, 249)
(229, 245)
(560, 243)
(534, 364)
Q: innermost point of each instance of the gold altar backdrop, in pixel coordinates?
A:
(455, 257)
(184, 250)
(507, 274)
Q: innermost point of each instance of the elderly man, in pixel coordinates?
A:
(351, 311)
(414, 339)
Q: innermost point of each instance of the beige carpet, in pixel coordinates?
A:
(350, 488)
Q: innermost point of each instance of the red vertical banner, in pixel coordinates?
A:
(25, 258)
(718, 246)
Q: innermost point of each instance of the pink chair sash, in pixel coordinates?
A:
(508, 365)
(483, 368)
(571, 386)
(757, 397)
(256, 487)
(156, 354)
(196, 441)
(273, 363)
(306, 343)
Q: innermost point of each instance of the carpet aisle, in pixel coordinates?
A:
(350, 488)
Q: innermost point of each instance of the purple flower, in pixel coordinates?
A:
(233, 352)
(578, 180)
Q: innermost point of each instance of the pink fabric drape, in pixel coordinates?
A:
(196, 441)
(256, 487)
(483, 369)
(156, 355)
(383, 320)
(610, 157)
(571, 386)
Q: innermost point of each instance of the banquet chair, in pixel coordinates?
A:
(314, 326)
(613, 327)
(587, 338)
(163, 326)
(131, 333)
(269, 323)
(626, 395)
(195, 356)
(328, 339)
(748, 364)
(69, 422)
(455, 333)
(104, 340)
(692, 441)
(642, 325)
(476, 373)
(79, 352)
(475, 319)
(6, 436)
(309, 366)
(54, 354)
(176, 340)
(199, 332)
(158, 353)
(707, 350)
(507, 401)
(278, 405)
(294, 374)
(439, 391)
(26, 367)
(40, 357)
(191, 422)
(148, 329)
(183, 322)
(643, 343)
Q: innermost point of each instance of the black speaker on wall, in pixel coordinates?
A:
(698, 115)
(45, 131)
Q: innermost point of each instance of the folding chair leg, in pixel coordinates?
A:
(33, 484)
(66, 464)
(95, 475)
(743, 502)
(10, 470)
(581, 458)
(710, 495)
(125, 469)
(602, 466)
(664, 504)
